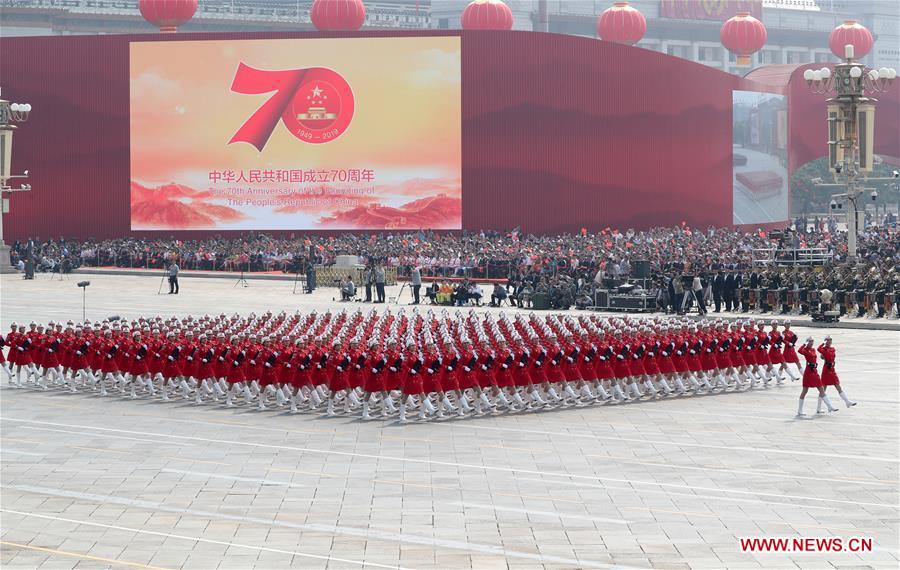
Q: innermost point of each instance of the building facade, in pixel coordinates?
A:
(797, 29)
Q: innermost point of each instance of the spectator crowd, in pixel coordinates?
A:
(566, 267)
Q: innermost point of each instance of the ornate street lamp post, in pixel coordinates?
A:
(10, 113)
(851, 127)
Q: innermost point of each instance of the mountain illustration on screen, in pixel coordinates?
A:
(176, 206)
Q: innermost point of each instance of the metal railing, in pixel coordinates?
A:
(786, 257)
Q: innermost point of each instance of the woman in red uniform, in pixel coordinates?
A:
(811, 377)
(412, 384)
(790, 355)
(829, 376)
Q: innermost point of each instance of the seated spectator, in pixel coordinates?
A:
(526, 295)
(348, 289)
(445, 294)
(432, 292)
(475, 293)
(498, 295)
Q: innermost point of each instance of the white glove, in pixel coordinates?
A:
(340, 369)
(679, 353)
(236, 363)
(78, 352)
(205, 361)
(570, 359)
(693, 351)
(270, 366)
(190, 358)
(467, 369)
(374, 371)
(411, 371)
(171, 359)
(521, 365)
(357, 366)
(483, 367)
(505, 366)
(51, 350)
(393, 368)
(318, 366)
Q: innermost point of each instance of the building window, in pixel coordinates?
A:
(444, 23)
(677, 51)
(770, 56)
(797, 57)
(823, 57)
(709, 54)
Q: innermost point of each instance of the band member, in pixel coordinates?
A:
(829, 376)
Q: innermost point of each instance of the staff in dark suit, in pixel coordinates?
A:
(728, 289)
(718, 288)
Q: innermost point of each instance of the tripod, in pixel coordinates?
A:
(162, 280)
(241, 280)
(296, 280)
(400, 294)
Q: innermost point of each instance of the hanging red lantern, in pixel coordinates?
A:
(338, 15)
(852, 33)
(487, 15)
(167, 15)
(621, 24)
(743, 35)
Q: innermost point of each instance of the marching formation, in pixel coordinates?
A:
(412, 363)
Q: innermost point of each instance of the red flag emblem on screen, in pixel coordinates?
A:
(315, 104)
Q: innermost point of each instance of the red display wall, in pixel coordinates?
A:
(559, 133)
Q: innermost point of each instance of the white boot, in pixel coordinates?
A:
(536, 398)
(679, 385)
(247, 393)
(650, 388)
(552, 393)
(694, 384)
(518, 398)
(850, 403)
(263, 397)
(185, 390)
(800, 413)
(447, 405)
(329, 409)
(279, 398)
(634, 390)
(388, 403)
(601, 391)
(427, 405)
(402, 412)
(665, 386)
(485, 401)
(464, 404)
(828, 403)
(568, 391)
(619, 394)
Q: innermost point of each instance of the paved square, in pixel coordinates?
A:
(93, 483)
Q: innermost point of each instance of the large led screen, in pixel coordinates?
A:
(320, 134)
(759, 158)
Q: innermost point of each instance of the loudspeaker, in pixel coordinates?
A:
(540, 302)
(642, 269)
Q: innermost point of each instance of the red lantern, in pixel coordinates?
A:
(487, 15)
(167, 14)
(853, 33)
(338, 15)
(743, 35)
(621, 24)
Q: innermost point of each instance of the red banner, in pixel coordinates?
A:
(708, 9)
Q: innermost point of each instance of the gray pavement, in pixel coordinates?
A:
(91, 483)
